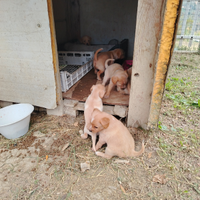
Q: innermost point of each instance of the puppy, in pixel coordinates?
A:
(126, 90)
(85, 40)
(99, 60)
(94, 101)
(117, 76)
(112, 132)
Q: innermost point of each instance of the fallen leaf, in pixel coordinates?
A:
(65, 146)
(149, 154)
(38, 134)
(76, 124)
(121, 161)
(123, 190)
(47, 157)
(159, 179)
(80, 132)
(85, 166)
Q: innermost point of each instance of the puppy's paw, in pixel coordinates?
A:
(98, 78)
(98, 153)
(84, 136)
(80, 132)
(93, 149)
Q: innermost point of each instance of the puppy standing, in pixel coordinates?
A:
(117, 76)
(94, 101)
(111, 131)
(99, 60)
(127, 90)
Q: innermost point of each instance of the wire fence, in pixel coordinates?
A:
(188, 34)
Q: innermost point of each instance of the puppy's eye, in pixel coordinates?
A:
(95, 127)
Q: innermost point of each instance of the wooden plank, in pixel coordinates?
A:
(26, 54)
(147, 36)
(171, 18)
(54, 54)
(71, 106)
(81, 91)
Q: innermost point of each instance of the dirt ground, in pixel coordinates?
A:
(37, 167)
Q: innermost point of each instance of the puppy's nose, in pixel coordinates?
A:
(90, 130)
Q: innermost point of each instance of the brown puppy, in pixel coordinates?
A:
(126, 90)
(117, 76)
(85, 40)
(99, 60)
(111, 131)
(94, 101)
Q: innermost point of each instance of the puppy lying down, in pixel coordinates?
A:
(112, 132)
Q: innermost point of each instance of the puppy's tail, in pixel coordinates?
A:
(138, 153)
(109, 60)
(95, 55)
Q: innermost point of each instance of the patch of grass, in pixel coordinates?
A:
(180, 91)
(183, 67)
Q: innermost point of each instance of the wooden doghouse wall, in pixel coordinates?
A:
(26, 61)
(67, 20)
(102, 20)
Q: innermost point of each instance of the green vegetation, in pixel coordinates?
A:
(180, 91)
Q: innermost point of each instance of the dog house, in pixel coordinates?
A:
(33, 32)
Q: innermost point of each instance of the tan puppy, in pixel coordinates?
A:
(111, 131)
(126, 90)
(99, 60)
(85, 40)
(94, 101)
(117, 76)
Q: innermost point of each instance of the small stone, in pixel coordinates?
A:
(76, 124)
(65, 146)
(160, 179)
(85, 166)
(38, 134)
(121, 161)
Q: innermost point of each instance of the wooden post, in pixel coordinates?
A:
(171, 18)
(59, 110)
(150, 15)
(150, 68)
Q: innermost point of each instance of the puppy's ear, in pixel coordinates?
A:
(110, 62)
(94, 63)
(120, 54)
(105, 122)
(96, 110)
(114, 80)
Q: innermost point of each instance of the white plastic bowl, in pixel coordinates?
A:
(14, 120)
